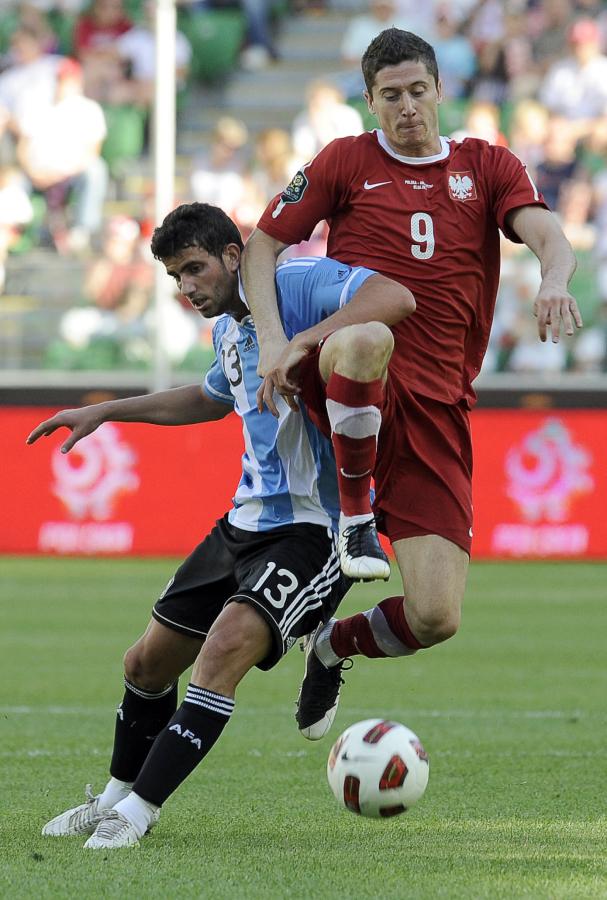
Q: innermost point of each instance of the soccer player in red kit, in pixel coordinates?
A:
(425, 211)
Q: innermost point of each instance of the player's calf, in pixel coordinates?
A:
(379, 632)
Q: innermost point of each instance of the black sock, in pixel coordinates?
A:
(185, 741)
(139, 719)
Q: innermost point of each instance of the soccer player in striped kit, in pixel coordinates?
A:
(268, 572)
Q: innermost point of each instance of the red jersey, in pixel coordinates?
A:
(88, 35)
(431, 224)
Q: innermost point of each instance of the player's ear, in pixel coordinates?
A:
(231, 257)
(439, 91)
(369, 100)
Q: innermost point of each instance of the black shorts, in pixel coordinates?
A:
(290, 575)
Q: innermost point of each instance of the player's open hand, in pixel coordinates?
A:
(80, 422)
(555, 308)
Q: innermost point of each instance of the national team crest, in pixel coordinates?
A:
(461, 186)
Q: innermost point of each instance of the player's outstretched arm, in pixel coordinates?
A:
(258, 270)
(553, 306)
(186, 405)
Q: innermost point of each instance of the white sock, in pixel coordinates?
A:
(323, 648)
(347, 521)
(138, 811)
(114, 791)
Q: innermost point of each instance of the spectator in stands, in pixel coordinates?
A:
(272, 166)
(95, 34)
(325, 117)
(59, 150)
(454, 53)
(528, 131)
(259, 49)
(589, 353)
(576, 87)
(34, 17)
(120, 279)
(489, 83)
(360, 32)
(574, 210)
(27, 86)
(550, 42)
(484, 23)
(482, 120)
(218, 177)
(521, 72)
(559, 160)
(136, 49)
(599, 186)
(527, 356)
(61, 6)
(15, 212)
(421, 17)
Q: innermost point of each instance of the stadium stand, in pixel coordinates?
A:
(513, 64)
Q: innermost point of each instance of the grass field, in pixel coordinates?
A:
(512, 713)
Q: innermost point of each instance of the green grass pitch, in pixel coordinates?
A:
(512, 713)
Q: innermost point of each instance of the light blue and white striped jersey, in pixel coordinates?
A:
(288, 467)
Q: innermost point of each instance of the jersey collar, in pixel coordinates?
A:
(413, 160)
(248, 319)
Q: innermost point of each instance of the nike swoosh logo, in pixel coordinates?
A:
(362, 475)
(369, 187)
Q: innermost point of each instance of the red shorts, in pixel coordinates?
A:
(423, 473)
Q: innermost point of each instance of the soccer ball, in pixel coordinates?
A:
(378, 768)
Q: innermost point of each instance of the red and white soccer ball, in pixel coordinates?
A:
(378, 768)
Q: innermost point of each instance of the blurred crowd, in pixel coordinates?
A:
(528, 74)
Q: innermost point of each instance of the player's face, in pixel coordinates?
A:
(210, 283)
(405, 100)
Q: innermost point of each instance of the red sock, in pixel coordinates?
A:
(378, 632)
(353, 408)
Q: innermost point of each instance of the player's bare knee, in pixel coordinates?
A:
(361, 351)
(368, 346)
(135, 670)
(142, 670)
(238, 632)
(436, 624)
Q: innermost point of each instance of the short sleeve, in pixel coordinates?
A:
(216, 385)
(311, 289)
(512, 187)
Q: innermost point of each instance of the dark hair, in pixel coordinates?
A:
(195, 225)
(392, 47)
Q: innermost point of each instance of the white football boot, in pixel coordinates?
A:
(360, 553)
(115, 831)
(81, 819)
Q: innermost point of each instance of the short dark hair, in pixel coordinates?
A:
(195, 225)
(392, 47)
